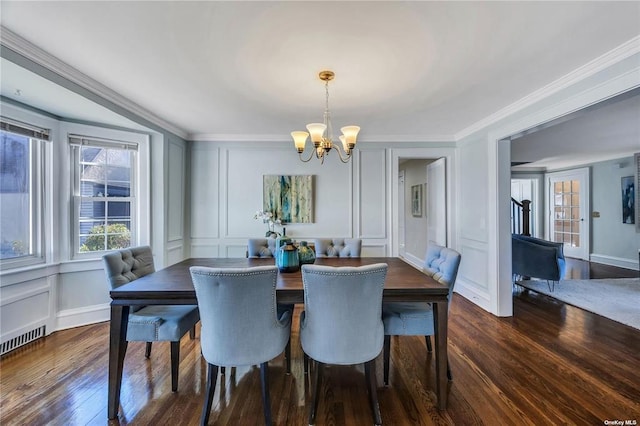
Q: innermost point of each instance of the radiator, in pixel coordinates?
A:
(22, 340)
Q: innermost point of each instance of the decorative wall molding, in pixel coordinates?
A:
(77, 317)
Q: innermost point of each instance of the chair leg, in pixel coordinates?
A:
(427, 339)
(287, 355)
(222, 371)
(316, 394)
(212, 376)
(449, 371)
(192, 333)
(147, 351)
(175, 362)
(370, 376)
(266, 401)
(306, 363)
(386, 354)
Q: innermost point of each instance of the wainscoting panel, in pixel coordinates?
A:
(372, 195)
(25, 312)
(176, 182)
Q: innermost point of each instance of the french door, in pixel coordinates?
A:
(568, 214)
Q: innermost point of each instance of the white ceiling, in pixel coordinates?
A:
(235, 70)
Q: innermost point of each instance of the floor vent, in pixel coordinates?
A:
(22, 340)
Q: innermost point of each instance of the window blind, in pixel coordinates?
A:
(77, 140)
(24, 129)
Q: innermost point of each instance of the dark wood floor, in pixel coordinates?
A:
(549, 364)
(577, 269)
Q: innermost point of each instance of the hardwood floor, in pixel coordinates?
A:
(549, 364)
(577, 269)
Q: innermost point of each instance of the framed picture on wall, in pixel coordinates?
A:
(289, 198)
(416, 200)
(628, 200)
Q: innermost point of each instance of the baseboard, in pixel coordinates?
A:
(77, 317)
(615, 261)
(474, 295)
(413, 260)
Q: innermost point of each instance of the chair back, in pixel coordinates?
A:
(338, 247)
(342, 321)
(126, 265)
(238, 315)
(261, 247)
(442, 264)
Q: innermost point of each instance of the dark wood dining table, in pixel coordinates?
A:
(173, 286)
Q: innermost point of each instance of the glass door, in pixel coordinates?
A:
(568, 208)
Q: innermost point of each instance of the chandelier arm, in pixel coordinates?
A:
(308, 159)
(339, 151)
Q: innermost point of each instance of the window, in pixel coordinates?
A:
(21, 194)
(104, 193)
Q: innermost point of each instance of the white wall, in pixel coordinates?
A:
(350, 200)
(612, 242)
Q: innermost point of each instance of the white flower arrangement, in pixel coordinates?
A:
(267, 217)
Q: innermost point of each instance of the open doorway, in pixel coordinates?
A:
(422, 206)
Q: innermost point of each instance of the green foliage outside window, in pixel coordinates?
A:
(117, 236)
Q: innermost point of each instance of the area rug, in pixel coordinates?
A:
(616, 298)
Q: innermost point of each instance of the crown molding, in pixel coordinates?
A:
(30, 51)
(602, 62)
(214, 137)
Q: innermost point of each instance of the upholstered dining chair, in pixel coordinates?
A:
(261, 247)
(239, 324)
(338, 247)
(341, 322)
(416, 318)
(150, 323)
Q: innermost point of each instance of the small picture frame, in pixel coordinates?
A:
(416, 200)
(628, 200)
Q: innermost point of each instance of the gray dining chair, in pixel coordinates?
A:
(338, 247)
(416, 318)
(341, 322)
(154, 322)
(264, 248)
(261, 247)
(239, 324)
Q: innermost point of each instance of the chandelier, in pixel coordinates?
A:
(322, 133)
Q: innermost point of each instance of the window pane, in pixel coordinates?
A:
(575, 240)
(105, 190)
(557, 187)
(16, 198)
(118, 210)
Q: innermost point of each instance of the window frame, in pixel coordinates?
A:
(135, 197)
(37, 194)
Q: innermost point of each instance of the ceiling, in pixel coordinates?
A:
(236, 70)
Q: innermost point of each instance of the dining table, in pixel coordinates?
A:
(173, 286)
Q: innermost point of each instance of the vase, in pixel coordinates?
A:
(306, 254)
(282, 240)
(288, 260)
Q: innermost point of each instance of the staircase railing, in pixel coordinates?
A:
(520, 217)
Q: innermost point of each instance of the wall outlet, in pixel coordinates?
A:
(595, 214)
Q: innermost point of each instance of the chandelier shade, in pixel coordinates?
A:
(321, 133)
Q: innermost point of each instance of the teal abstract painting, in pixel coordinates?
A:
(289, 198)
